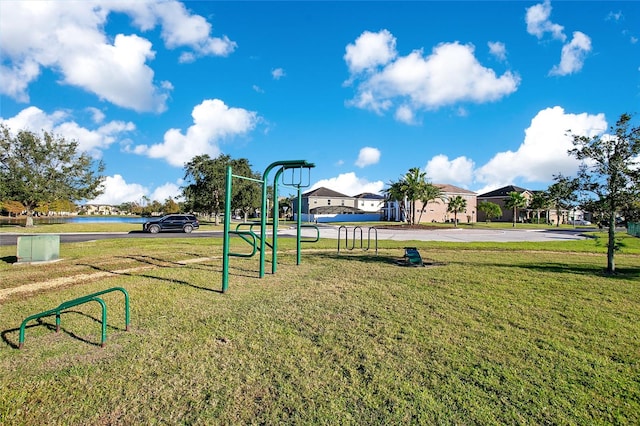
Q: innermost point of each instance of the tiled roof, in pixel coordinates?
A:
(503, 192)
(370, 196)
(451, 189)
(324, 192)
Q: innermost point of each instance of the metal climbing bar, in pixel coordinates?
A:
(57, 311)
(93, 297)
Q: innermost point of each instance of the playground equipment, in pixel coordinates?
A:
(353, 244)
(259, 242)
(93, 297)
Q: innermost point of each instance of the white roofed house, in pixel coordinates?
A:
(369, 202)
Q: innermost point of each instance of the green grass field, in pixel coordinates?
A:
(495, 333)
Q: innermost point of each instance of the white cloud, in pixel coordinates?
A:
(92, 141)
(573, 55)
(442, 170)
(118, 191)
(349, 184)
(538, 23)
(213, 121)
(165, 191)
(370, 50)
(97, 115)
(449, 75)
(543, 152)
(368, 156)
(277, 73)
(404, 114)
(498, 49)
(71, 40)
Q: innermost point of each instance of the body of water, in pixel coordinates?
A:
(77, 219)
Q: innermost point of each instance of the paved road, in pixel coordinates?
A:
(327, 231)
(452, 235)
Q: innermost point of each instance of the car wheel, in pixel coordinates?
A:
(154, 229)
(187, 229)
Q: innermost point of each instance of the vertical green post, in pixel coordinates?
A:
(299, 226)
(276, 217)
(225, 241)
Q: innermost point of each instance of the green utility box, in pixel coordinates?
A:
(38, 248)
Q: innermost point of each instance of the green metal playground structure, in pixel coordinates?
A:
(259, 242)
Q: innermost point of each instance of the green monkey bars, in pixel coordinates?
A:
(250, 236)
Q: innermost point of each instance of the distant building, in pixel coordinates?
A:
(499, 197)
(100, 209)
(436, 210)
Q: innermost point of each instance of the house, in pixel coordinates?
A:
(436, 210)
(499, 197)
(324, 200)
(100, 209)
(369, 202)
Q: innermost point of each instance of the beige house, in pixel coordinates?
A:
(325, 200)
(499, 197)
(436, 210)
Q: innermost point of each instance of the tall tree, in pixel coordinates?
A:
(246, 195)
(611, 172)
(562, 194)
(490, 210)
(539, 201)
(456, 205)
(414, 184)
(515, 201)
(430, 193)
(205, 192)
(38, 169)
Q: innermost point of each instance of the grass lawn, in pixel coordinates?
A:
(485, 334)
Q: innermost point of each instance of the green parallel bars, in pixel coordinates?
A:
(93, 297)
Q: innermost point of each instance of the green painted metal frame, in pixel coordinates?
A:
(263, 243)
(93, 297)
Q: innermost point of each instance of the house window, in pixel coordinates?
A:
(342, 202)
(328, 202)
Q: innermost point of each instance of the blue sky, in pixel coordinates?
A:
(477, 94)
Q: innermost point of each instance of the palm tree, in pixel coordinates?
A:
(456, 205)
(515, 201)
(414, 183)
(395, 192)
(431, 193)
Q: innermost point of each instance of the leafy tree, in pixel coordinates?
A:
(170, 206)
(490, 210)
(430, 193)
(611, 172)
(562, 194)
(15, 207)
(456, 205)
(246, 195)
(38, 169)
(206, 192)
(539, 201)
(515, 201)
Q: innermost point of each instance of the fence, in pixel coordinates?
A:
(633, 228)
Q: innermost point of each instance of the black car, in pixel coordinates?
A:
(172, 222)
